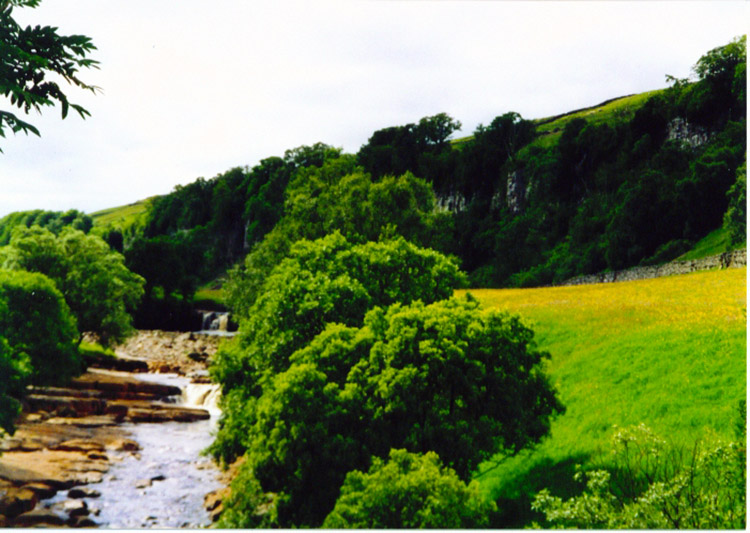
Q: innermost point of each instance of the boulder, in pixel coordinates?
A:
(17, 501)
(83, 492)
(42, 490)
(76, 507)
(99, 381)
(167, 414)
(37, 518)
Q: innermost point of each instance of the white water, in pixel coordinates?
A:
(170, 450)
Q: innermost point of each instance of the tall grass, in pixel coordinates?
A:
(668, 352)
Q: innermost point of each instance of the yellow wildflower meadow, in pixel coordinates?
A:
(668, 352)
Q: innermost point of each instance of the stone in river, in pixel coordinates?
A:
(38, 517)
(83, 492)
(17, 501)
(75, 508)
(42, 490)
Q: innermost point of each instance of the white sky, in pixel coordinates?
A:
(192, 88)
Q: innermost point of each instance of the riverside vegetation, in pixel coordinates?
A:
(362, 391)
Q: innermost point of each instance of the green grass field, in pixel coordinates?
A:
(122, 216)
(667, 352)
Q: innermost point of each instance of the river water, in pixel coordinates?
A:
(164, 485)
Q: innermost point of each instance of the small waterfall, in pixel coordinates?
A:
(216, 323)
(205, 395)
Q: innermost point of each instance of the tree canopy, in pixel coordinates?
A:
(39, 328)
(31, 58)
(446, 377)
(92, 277)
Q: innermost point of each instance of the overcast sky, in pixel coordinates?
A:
(192, 88)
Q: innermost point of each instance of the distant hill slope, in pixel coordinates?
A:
(635, 180)
(122, 216)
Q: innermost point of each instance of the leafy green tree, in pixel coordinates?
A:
(337, 196)
(30, 56)
(97, 286)
(653, 485)
(448, 378)
(54, 221)
(330, 280)
(408, 491)
(39, 329)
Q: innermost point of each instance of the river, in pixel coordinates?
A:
(164, 484)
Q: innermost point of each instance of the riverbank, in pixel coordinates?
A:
(71, 441)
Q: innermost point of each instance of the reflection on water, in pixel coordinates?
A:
(164, 485)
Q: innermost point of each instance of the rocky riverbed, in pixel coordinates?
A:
(70, 439)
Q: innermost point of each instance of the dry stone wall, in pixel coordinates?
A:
(733, 259)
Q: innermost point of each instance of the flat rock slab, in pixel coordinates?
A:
(106, 381)
(58, 469)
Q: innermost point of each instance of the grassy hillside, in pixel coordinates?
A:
(616, 109)
(123, 216)
(667, 352)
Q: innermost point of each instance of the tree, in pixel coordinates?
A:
(54, 221)
(39, 329)
(329, 280)
(338, 196)
(448, 378)
(408, 491)
(97, 286)
(27, 56)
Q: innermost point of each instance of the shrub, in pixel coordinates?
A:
(653, 485)
(408, 491)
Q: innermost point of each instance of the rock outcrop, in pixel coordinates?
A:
(65, 437)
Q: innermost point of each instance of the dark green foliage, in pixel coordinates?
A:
(93, 278)
(223, 216)
(28, 56)
(38, 327)
(447, 377)
(322, 281)
(414, 147)
(338, 196)
(51, 220)
(735, 219)
(408, 491)
(597, 195)
(14, 371)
